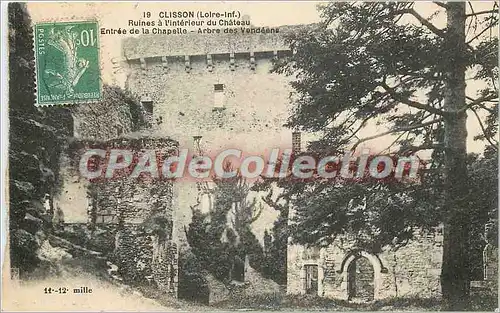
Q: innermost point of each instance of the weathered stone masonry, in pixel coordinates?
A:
(137, 211)
(412, 270)
(212, 92)
(344, 272)
(217, 88)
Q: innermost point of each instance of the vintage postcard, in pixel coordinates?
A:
(276, 155)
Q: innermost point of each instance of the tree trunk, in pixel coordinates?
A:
(455, 268)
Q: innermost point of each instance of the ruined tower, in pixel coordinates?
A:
(211, 92)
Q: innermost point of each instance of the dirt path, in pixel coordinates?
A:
(105, 296)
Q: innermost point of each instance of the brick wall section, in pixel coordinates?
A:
(490, 257)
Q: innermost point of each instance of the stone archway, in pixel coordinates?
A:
(368, 287)
(360, 280)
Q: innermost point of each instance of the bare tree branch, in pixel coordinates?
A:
(257, 214)
(397, 130)
(472, 20)
(429, 25)
(424, 21)
(441, 4)
(482, 106)
(494, 144)
(492, 24)
(411, 103)
(363, 123)
(478, 101)
(481, 12)
(388, 148)
(413, 149)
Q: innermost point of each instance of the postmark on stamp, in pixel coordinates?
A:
(67, 63)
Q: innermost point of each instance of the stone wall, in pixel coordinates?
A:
(134, 198)
(144, 259)
(137, 211)
(131, 201)
(411, 270)
(117, 114)
(255, 101)
(249, 116)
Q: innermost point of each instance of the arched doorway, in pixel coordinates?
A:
(361, 279)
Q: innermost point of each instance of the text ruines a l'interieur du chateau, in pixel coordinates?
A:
(186, 22)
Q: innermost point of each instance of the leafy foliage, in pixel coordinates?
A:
(364, 64)
(386, 64)
(275, 252)
(483, 197)
(221, 245)
(193, 285)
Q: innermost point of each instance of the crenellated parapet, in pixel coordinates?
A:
(209, 48)
(210, 61)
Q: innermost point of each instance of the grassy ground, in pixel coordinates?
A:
(312, 303)
(110, 296)
(480, 302)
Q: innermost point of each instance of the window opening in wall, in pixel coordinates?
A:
(219, 87)
(311, 279)
(296, 142)
(219, 96)
(148, 106)
(147, 103)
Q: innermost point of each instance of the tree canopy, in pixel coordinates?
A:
(370, 62)
(390, 65)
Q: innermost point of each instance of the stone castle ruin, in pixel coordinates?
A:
(209, 92)
(130, 221)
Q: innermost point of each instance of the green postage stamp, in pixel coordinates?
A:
(67, 63)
